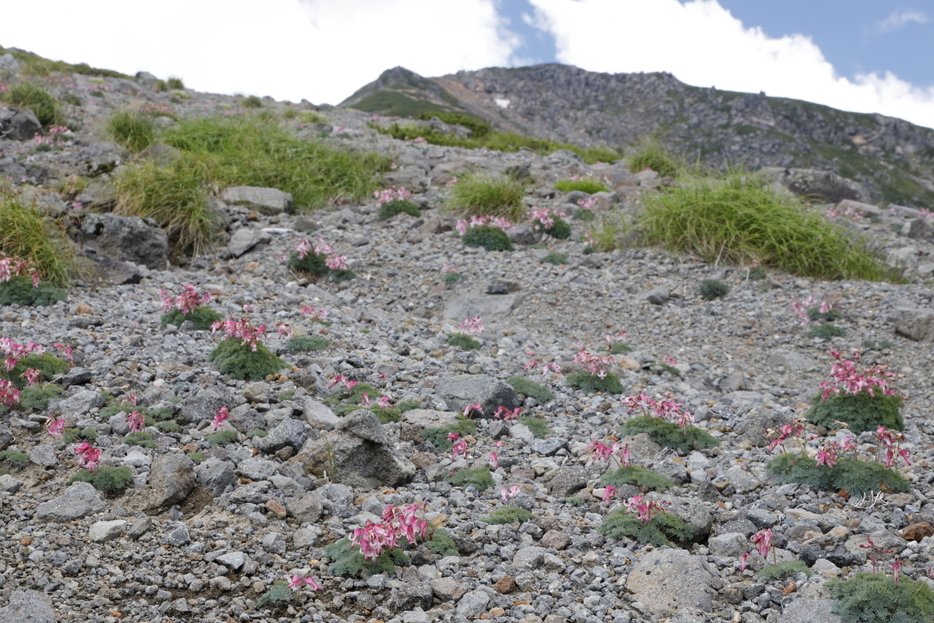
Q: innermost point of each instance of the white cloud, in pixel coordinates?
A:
(897, 19)
(702, 44)
(320, 50)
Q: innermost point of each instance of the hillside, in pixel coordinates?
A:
(893, 158)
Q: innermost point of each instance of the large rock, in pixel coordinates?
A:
(80, 403)
(126, 238)
(215, 475)
(914, 323)
(492, 308)
(809, 611)
(204, 404)
(669, 580)
(818, 185)
(289, 432)
(28, 606)
(568, 481)
(269, 201)
(23, 126)
(171, 479)
(79, 500)
(359, 453)
(459, 391)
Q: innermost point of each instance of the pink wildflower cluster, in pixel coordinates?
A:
(331, 259)
(796, 428)
(891, 440)
(392, 193)
(12, 353)
(296, 582)
(375, 538)
(472, 326)
(54, 137)
(644, 510)
(471, 409)
(848, 212)
(13, 266)
(543, 219)
(9, 395)
(241, 330)
(546, 367)
(850, 380)
(763, 541)
(666, 408)
(592, 363)
(341, 379)
(459, 447)
(802, 307)
(220, 416)
(478, 221)
(506, 415)
(827, 453)
(314, 314)
(88, 456)
(136, 421)
(510, 493)
(614, 339)
(187, 301)
(599, 451)
(56, 427)
(586, 204)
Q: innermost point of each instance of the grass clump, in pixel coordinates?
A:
(175, 83)
(739, 220)
(398, 206)
(861, 412)
(854, 476)
(222, 438)
(556, 259)
(592, 383)
(484, 195)
(14, 457)
(463, 341)
(825, 331)
(784, 570)
(252, 102)
(508, 514)
(132, 130)
(201, 316)
(618, 348)
(711, 289)
(277, 596)
(611, 231)
(487, 236)
(537, 425)
(48, 365)
(37, 397)
(305, 343)
(441, 543)
(109, 480)
(438, 435)
(238, 361)
(878, 598)
(655, 158)
(142, 439)
(584, 186)
(660, 530)
(478, 127)
(669, 434)
(348, 561)
(27, 95)
(530, 388)
(196, 457)
(19, 290)
(478, 477)
(25, 234)
(452, 278)
(638, 476)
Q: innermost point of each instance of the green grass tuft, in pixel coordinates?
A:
(201, 316)
(530, 388)
(861, 412)
(711, 289)
(784, 570)
(585, 186)
(438, 435)
(655, 158)
(618, 348)
(305, 343)
(487, 236)
(591, 383)
(537, 425)
(238, 361)
(14, 457)
(556, 259)
(856, 477)
(484, 195)
(661, 530)
(107, 479)
(463, 341)
(638, 476)
(28, 95)
(478, 477)
(175, 84)
(222, 438)
(252, 102)
(877, 598)
(26, 234)
(737, 219)
(133, 130)
(142, 439)
(392, 208)
(669, 434)
(508, 514)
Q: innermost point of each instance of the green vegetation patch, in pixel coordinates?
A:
(37, 397)
(825, 331)
(861, 412)
(638, 476)
(438, 435)
(109, 480)
(278, 595)
(28, 95)
(133, 130)
(537, 425)
(556, 259)
(585, 186)
(27, 235)
(877, 598)
(591, 383)
(347, 560)
(486, 195)
(530, 388)
(239, 361)
(222, 438)
(478, 477)
(399, 206)
(141, 438)
(508, 514)
(19, 290)
(49, 366)
(711, 289)
(739, 220)
(851, 475)
(14, 457)
(35, 65)
(463, 341)
(669, 434)
(661, 530)
(477, 126)
(487, 236)
(784, 570)
(655, 158)
(306, 343)
(201, 316)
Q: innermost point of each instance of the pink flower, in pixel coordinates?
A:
(383, 402)
(56, 427)
(763, 542)
(473, 408)
(742, 561)
(88, 456)
(507, 494)
(220, 417)
(608, 492)
(494, 460)
(472, 326)
(337, 380)
(459, 448)
(896, 565)
(31, 375)
(506, 414)
(365, 400)
(136, 421)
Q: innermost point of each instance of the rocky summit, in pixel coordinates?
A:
(237, 488)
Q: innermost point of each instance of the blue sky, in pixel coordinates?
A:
(860, 55)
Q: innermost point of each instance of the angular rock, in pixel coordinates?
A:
(81, 402)
(319, 415)
(914, 323)
(459, 391)
(171, 479)
(127, 239)
(269, 201)
(257, 468)
(244, 240)
(289, 432)
(809, 611)
(412, 596)
(215, 475)
(233, 560)
(23, 126)
(547, 447)
(728, 545)
(79, 500)
(816, 184)
(28, 606)
(568, 481)
(473, 603)
(492, 308)
(102, 531)
(307, 508)
(8, 484)
(43, 455)
(204, 404)
(669, 580)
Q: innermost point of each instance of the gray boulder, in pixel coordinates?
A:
(459, 391)
(79, 500)
(818, 185)
(204, 404)
(568, 481)
(171, 479)
(80, 403)
(127, 239)
(809, 611)
(289, 432)
(23, 126)
(492, 308)
(215, 475)
(28, 606)
(246, 239)
(306, 508)
(269, 201)
(359, 453)
(914, 323)
(670, 580)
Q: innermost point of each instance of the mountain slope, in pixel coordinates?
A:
(894, 158)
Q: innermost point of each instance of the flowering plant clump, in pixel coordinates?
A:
(647, 521)
(488, 232)
(241, 354)
(318, 260)
(392, 193)
(812, 310)
(594, 377)
(464, 334)
(862, 397)
(25, 372)
(667, 422)
(550, 222)
(20, 284)
(190, 306)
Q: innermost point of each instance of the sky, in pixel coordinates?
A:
(857, 55)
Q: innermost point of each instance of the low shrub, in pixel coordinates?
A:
(109, 480)
(19, 290)
(668, 434)
(175, 84)
(392, 208)
(37, 397)
(537, 425)
(508, 514)
(252, 102)
(479, 478)
(441, 543)
(585, 186)
(463, 341)
(305, 343)
(530, 388)
(556, 259)
(784, 570)
(238, 361)
(560, 230)
(278, 595)
(638, 476)
(27, 235)
(202, 317)
(861, 412)
(347, 560)
(655, 158)
(142, 439)
(28, 95)
(878, 598)
(854, 476)
(661, 530)
(487, 236)
(484, 195)
(438, 435)
(711, 289)
(825, 331)
(222, 438)
(592, 383)
(618, 348)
